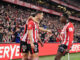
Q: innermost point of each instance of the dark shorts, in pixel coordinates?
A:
(25, 48)
(35, 50)
(62, 48)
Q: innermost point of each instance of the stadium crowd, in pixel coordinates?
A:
(13, 19)
(72, 2)
(48, 4)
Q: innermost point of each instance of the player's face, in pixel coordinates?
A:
(40, 16)
(62, 19)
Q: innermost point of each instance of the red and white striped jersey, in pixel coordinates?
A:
(31, 25)
(66, 35)
(34, 27)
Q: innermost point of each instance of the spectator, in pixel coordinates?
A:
(12, 17)
(17, 35)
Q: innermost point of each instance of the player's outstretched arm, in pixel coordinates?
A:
(45, 30)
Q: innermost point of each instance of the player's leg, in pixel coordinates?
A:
(61, 52)
(24, 50)
(24, 56)
(58, 56)
(34, 52)
(29, 56)
(35, 56)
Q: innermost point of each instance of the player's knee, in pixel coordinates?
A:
(35, 55)
(24, 55)
(56, 58)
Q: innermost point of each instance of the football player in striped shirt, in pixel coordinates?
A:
(32, 37)
(66, 37)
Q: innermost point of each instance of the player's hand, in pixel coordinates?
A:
(32, 46)
(66, 50)
(42, 44)
(49, 31)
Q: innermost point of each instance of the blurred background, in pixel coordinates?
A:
(13, 17)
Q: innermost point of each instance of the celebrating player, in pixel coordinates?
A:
(66, 37)
(31, 37)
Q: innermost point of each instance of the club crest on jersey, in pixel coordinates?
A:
(70, 29)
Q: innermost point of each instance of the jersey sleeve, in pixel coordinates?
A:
(30, 25)
(70, 35)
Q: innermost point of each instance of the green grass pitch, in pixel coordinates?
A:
(74, 56)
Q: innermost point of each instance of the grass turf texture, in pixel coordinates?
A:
(75, 56)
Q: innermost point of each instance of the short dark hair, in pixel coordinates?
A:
(34, 14)
(66, 15)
